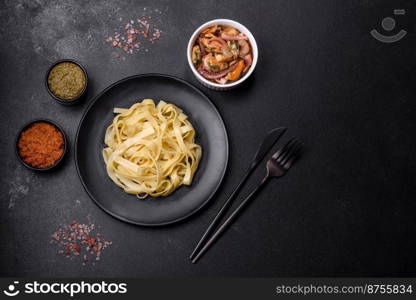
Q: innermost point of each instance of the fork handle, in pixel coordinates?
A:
(220, 213)
(231, 218)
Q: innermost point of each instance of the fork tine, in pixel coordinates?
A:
(296, 146)
(282, 150)
(289, 149)
(292, 159)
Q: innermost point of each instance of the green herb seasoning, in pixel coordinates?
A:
(66, 80)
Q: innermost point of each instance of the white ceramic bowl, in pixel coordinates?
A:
(241, 28)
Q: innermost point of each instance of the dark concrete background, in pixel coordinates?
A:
(346, 209)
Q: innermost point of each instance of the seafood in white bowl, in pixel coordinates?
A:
(222, 54)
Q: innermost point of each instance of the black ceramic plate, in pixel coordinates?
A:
(186, 200)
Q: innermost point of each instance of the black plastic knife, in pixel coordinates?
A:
(268, 142)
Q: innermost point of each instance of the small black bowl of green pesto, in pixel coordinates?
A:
(67, 81)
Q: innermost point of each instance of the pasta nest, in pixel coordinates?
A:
(151, 149)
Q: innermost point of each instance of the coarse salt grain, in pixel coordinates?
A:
(129, 41)
(75, 238)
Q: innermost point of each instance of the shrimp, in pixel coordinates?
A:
(211, 64)
(214, 46)
(225, 55)
(244, 48)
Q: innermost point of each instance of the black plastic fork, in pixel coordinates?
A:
(277, 166)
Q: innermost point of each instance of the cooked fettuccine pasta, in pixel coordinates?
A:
(151, 149)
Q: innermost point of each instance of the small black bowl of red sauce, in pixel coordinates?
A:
(66, 81)
(41, 145)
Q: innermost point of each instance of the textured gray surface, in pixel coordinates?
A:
(346, 209)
